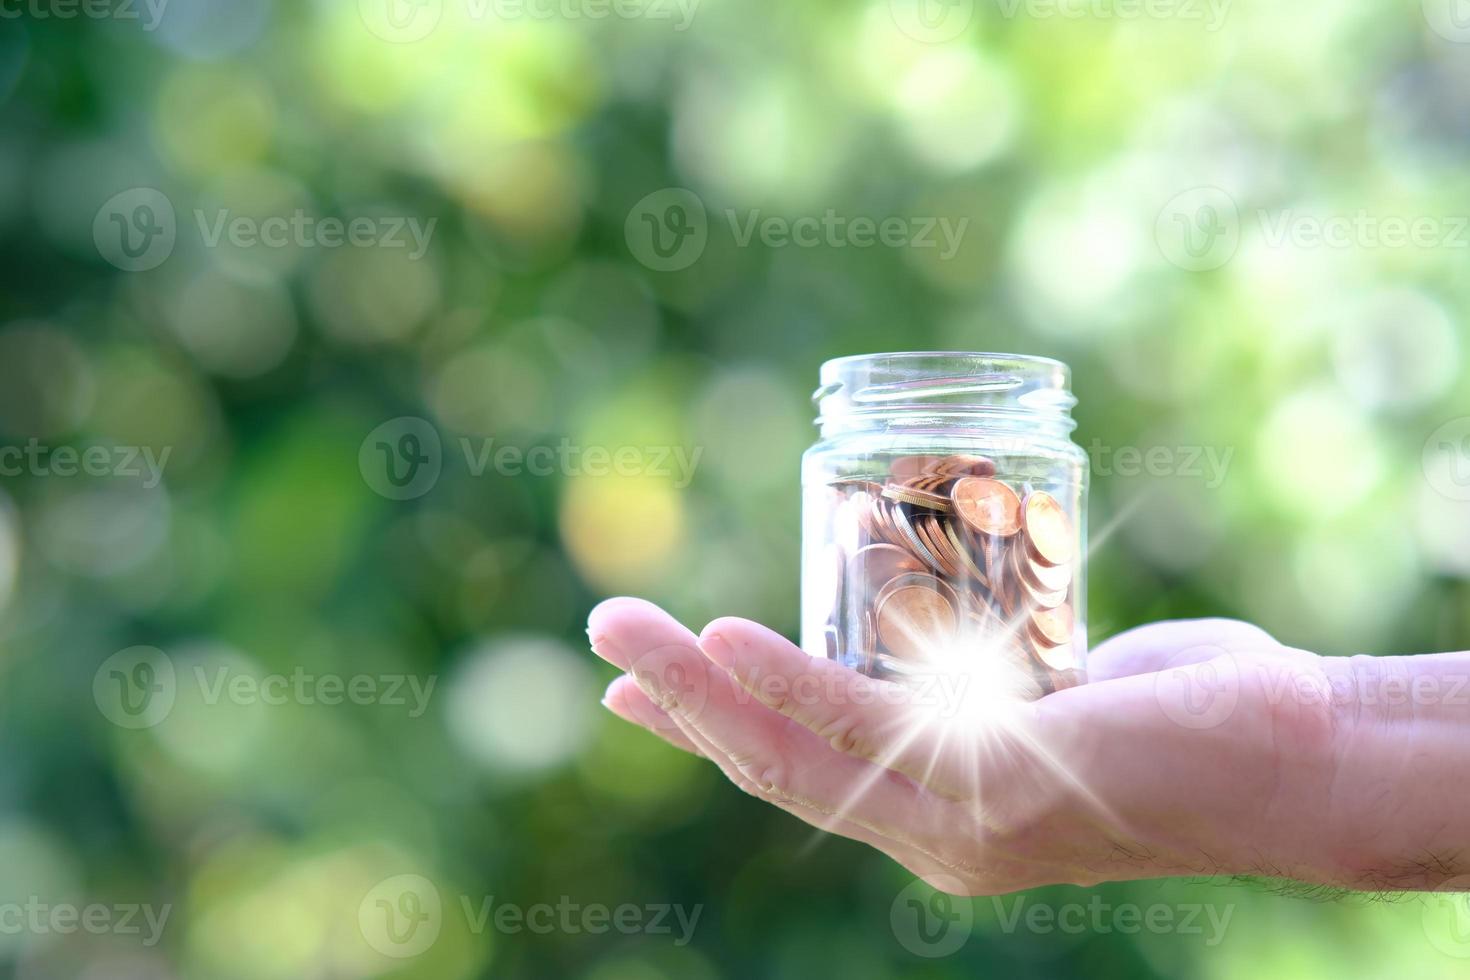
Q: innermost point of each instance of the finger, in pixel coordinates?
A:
(1175, 643)
(783, 761)
(939, 733)
(628, 702)
(916, 859)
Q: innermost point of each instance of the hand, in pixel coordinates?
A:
(1199, 747)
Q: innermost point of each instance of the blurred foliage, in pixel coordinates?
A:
(521, 146)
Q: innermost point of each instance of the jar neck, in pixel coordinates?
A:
(937, 392)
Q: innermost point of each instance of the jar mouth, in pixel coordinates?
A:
(891, 388)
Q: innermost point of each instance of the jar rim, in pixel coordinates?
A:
(1037, 359)
(915, 387)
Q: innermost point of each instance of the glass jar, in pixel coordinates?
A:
(944, 522)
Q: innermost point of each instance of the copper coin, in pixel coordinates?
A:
(1059, 657)
(1048, 529)
(917, 580)
(1046, 578)
(914, 543)
(927, 528)
(963, 552)
(874, 566)
(1053, 625)
(987, 506)
(914, 622)
(907, 467)
(917, 497)
(1035, 597)
(962, 464)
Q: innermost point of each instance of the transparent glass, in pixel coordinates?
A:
(944, 522)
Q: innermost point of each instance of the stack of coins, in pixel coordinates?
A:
(943, 561)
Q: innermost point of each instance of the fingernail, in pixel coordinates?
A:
(604, 648)
(718, 649)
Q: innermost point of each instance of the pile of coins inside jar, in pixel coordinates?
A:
(942, 561)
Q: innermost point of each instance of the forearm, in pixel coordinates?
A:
(1347, 773)
(1399, 814)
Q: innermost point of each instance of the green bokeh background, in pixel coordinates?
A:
(1326, 376)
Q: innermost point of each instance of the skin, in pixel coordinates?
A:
(1199, 747)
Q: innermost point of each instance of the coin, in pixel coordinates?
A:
(963, 465)
(963, 552)
(987, 506)
(907, 467)
(1048, 529)
(1059, 657)
(1054, 626)
(942, 557)
(1046, 578)
(917, 545)
(917, 497)
(873, 566)
(915, 622)
(917, 580)
(1034, 595)
(928, 528)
